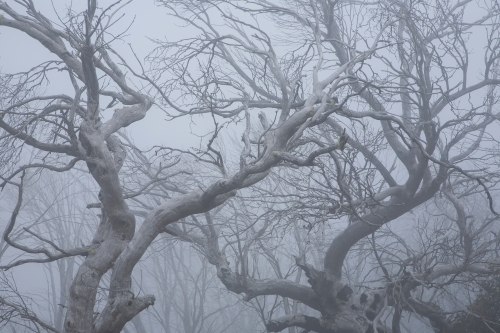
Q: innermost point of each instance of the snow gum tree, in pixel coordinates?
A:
(347, 113)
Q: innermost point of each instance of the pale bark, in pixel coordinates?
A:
(306, 132)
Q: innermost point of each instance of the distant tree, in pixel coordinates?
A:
(483, 315)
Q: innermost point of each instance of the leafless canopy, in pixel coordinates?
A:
(351, 114)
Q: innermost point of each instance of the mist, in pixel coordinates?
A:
(249, 166)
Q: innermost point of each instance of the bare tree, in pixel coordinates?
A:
(53, 211)
(365, 111)
(187, 290)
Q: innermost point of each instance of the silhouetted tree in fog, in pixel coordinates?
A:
(326, 127)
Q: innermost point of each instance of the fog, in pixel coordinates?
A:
(249, 166)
